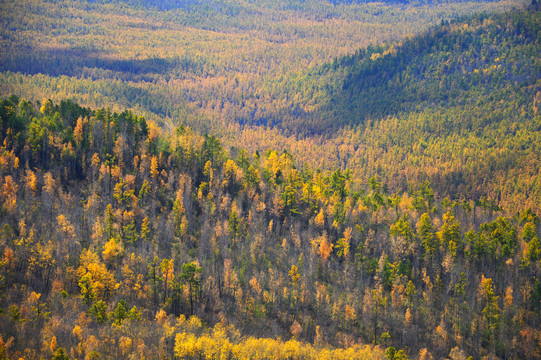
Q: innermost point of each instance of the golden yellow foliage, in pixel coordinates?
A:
(78, 131)
(77, 332)
(154, 167)
(223, 342)
(47, 107)
(350, 313)
(320, 219)
(185, 345)
(31, 181)
(323, 247)
(424, 354)
(53, 344)
(95, 161)
(342, 246)
(230, 173)
(161, 316)
(408, 317)
(112, 250)
(65, 227)
(294, 274)
(95, 281)
(125, 344)
(255, 285)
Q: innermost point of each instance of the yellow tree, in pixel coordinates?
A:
(342, 246)
(167, 267)
(112, 251)
(95, 281)
(294, 274)
(186, 346)
(322, 247)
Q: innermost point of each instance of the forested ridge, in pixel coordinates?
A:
(270, 179)
(458, 105)
(455, 105)
(476, 61)
(208, 64)
(120, 240)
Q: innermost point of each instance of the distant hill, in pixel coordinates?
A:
(482, 61)
(458, 106)
(285, 4)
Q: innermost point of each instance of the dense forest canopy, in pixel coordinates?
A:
(458, 105)
(264, 77)
(121, 241)
(270, 179)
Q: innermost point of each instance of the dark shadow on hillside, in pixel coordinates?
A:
(442, 68)
(77, 62)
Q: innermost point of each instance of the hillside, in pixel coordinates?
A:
(209, 64)
(201, 180)
(120, 241)
(479, 62)
(450, 106)
(458, 106)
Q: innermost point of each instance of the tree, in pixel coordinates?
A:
(338, 183)
(392, 354)
(379, 301)
(342, 246)
(449, 234)
(145, 229)
(323, 247)
(95, 281)
(121, 312)
(112, 251)
(9, 193)
(154, 171)
(533, 250)
(190, 274)
(99, 311)
(490, 308)
(167, 267)
(186, 346)
(252, 177)
(426, 234)
(211, 150)
(234, 224)
(320, 219)
(294, 274)
(60, 354)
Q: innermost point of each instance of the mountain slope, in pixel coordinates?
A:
(481, 60)
(458, 106)
(220, 61)
(114, 235)
(120, 239)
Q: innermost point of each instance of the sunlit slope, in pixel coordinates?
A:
(457, 105)
(207, 63)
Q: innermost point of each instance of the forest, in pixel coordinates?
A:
(265, 179)
(121, 241)
(455, 105)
